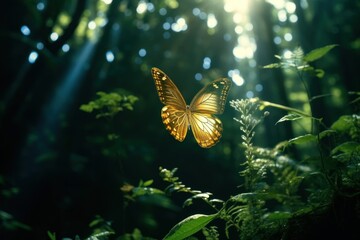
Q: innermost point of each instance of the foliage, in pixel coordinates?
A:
(109, 104)
(272, 179)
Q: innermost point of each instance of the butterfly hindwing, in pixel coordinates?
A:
(207, 129)
(175, 121)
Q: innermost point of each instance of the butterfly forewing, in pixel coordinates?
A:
(168, 92)
(212, 98)
(206, 128)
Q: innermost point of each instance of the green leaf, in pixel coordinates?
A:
(51, 235)
(189, 226)
(319, 73)
(326, 133)
(303, 139)
(289, 117)
(346, 147)
(148, 183)
(278, 215)
(273, 65)
(318, 53)
(343, 123)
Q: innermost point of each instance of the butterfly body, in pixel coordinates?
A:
(178, 117)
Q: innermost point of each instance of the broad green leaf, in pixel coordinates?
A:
(346, 147)
(343, 123)
(326, 133)
(189, 226)
(289, 117)
(318, 53)
(303, 139)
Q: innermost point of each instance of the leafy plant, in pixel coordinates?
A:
(109, 104)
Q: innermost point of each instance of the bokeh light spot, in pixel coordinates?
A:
(25, 30)
(142, 52)
(65, 47)
(109, 56)
(32, 57)
(249, 94)
(198, 76)
(207, 63)
(54, 36)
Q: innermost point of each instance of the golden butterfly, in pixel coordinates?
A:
(178, 117)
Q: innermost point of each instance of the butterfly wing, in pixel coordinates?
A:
(207, 129)
(173, 114)
(169, 94)
(210, 100)
(175, 121)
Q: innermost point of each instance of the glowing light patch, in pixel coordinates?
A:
(40, 46)
(162, 11)
(141, 8)
(198, 76)
(206, 63)
(249, 94)
(258, 87)
(40, 6)
(290, 7)
(54, 36)
(166, 26)
(196, 11)
(282, 16)
(142, 52)
(211, 21)
(25, 30)
(293, 18)
(109, 55)
(287, 54)
(179, 25)
(108, 2)
(92, 25)
(32, 57)
(288, 37)
(65, 47)
(277, 40)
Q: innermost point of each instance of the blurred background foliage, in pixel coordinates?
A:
(61, 167)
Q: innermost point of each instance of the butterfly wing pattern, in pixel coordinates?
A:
(210, 100)
(173, 113)
(177, 116)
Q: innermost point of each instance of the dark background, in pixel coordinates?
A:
(59, 170)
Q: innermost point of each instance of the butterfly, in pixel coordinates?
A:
(178, 117)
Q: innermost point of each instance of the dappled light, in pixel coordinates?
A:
(172, 119)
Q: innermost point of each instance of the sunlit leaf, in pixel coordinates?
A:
(303, 139)
(148, 183)
(318, 53)
(343, 123)
(273, 65)
(189, 226)
(289, 117)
